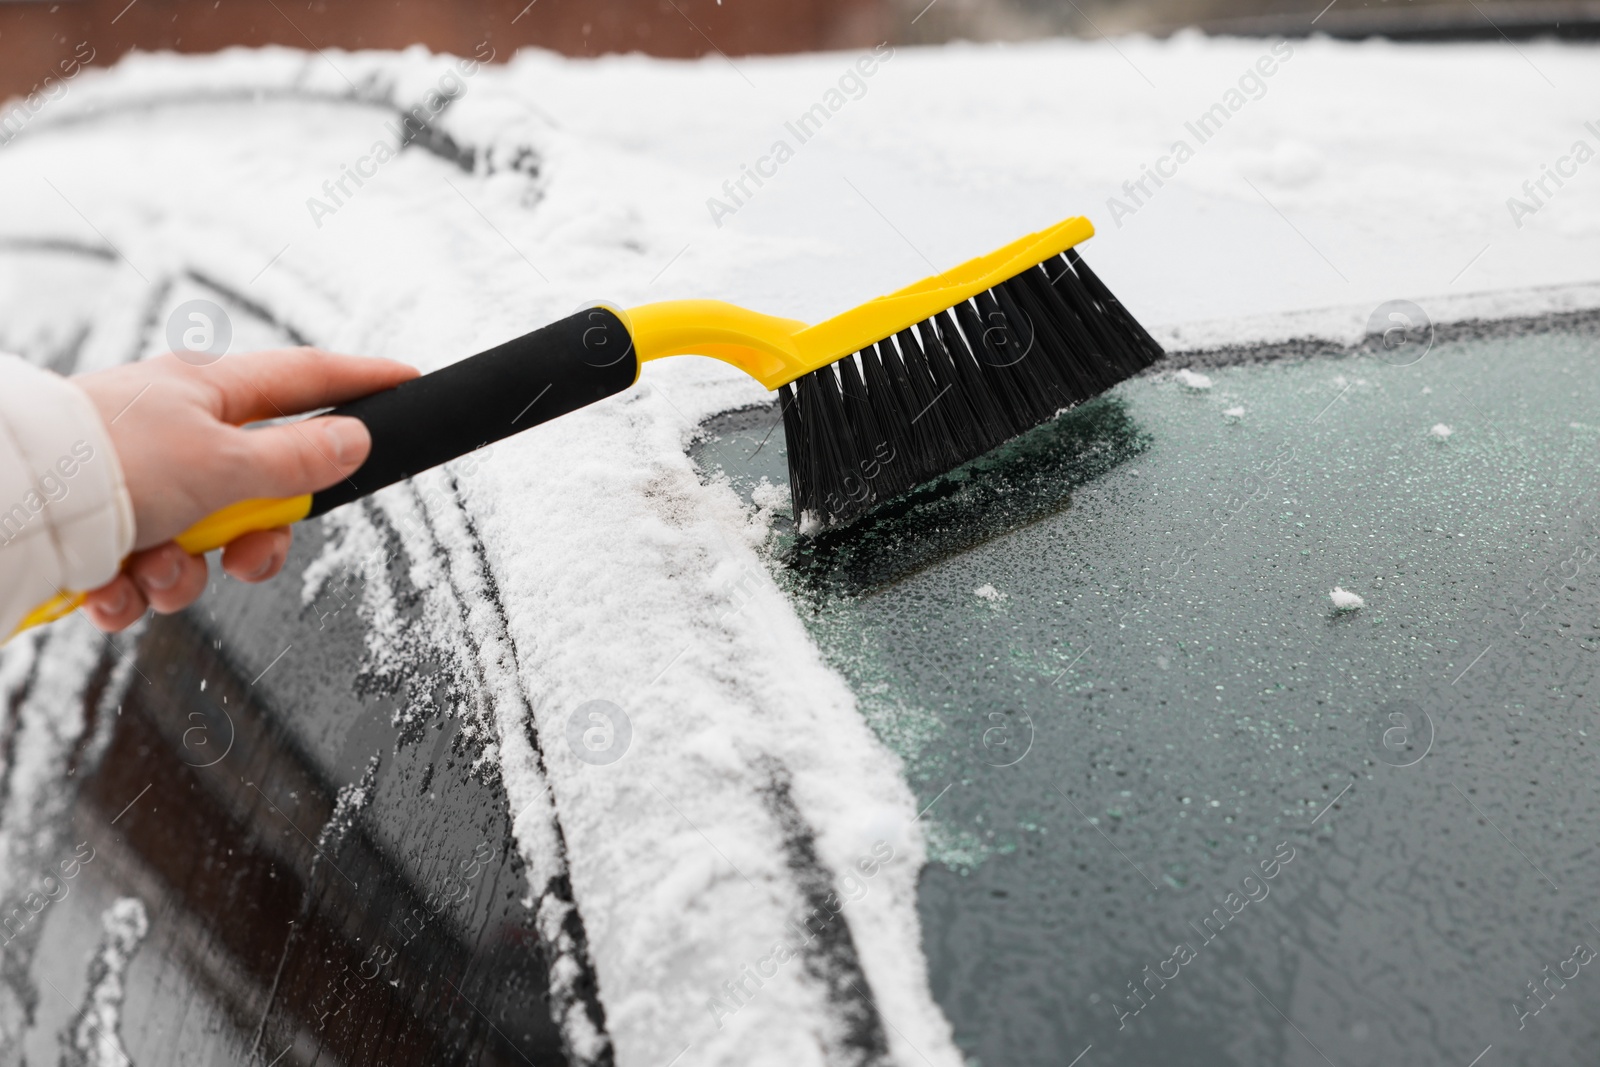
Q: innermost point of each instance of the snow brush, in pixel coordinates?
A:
(874, 401)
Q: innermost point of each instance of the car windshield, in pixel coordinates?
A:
(1176, 781)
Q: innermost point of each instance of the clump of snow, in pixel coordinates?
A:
(1441, 431)
(348, 804)
(97, 1031)
(1234, 413)
(1344, 600)
(768, 496)
(1192, 379)
(989, 593)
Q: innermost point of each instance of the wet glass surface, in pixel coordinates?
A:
(319, 886)
(1181, 809)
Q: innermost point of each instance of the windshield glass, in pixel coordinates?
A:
(1181, 789)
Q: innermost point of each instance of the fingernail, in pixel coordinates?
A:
(115, 605)
(347, 439)
(166, 576)
(265, 569)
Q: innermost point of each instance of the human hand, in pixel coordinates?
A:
(177, 430)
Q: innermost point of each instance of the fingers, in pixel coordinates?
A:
(298, 457)
(268, 385)
(255, 557)
(115, 605)
(169, 577)
(165, 578)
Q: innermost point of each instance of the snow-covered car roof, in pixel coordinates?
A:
(687, 778)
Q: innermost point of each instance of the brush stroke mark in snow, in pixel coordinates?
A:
(830, 956)
(1193, 379)
(47, 726)
(387, 86)
(1344, 600)
(411, 564)
(95, 1036)
(348, 805)
(366, 554)
(473, 612)
(989, 593)
(1440, 431)
(1233, 414)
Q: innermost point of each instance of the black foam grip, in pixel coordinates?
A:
(446, 414)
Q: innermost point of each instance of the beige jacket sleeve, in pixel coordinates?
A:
(66, 520)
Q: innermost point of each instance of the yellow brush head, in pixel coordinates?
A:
(776, 351)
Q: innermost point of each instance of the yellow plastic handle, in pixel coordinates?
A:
(235, 520)
(211, 532)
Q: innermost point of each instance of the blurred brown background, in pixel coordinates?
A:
(37, 35)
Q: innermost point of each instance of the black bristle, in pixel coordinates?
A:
(932, 411)
(1113, 306)
(1081, 353)
(958, 415)
(1010, 400)
(1111, 350)
(989, 427)
(910, 400)
(953, 387)
(1040, 349)
(794, 433)
(895, 424)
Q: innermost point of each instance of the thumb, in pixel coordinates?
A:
(301, 457)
